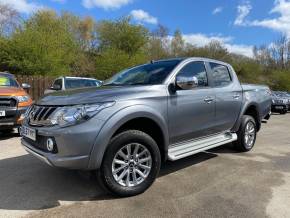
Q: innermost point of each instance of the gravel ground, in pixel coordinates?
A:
(217, 183)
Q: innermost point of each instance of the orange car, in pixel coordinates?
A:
(14, 102)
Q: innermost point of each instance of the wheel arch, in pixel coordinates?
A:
(251, 110)
(140, 117)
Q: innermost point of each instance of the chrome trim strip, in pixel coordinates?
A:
(6, 124)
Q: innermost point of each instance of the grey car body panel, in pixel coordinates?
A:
(120, 118)
(181, 115)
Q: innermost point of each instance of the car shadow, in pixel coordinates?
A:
(5, 136)
(28, 184)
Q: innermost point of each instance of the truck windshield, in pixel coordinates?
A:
(148, 74)
(8, 82)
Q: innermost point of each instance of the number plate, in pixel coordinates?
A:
(2, 113)
(279, 107)
(28, 133)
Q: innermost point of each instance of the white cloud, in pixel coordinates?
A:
(23, 6)
(105, 4)
(201, 40)
(281, 23)
(143, 17)
(243, 11)
(217, 10)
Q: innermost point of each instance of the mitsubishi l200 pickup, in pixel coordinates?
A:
(163, 110)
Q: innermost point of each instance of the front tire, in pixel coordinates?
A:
(131, 163)
(247, 134)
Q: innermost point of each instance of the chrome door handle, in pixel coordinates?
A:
(209, 100)
(236, 96)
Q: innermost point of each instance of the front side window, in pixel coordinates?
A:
(195, 69)
(221, 75)
(58, 83)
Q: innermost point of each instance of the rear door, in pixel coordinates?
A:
(228, 96)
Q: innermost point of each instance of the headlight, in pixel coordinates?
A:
(273, 101)
(23, 98)
(71, 115)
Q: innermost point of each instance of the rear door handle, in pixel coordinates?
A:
(209, 100)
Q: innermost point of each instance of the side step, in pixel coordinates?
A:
(188, 148)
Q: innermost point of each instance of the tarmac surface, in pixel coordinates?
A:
(217, 183)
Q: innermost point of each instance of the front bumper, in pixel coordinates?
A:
(13, 117)
(74, 144)
(76, 162)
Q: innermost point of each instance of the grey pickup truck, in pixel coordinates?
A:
(163, 110)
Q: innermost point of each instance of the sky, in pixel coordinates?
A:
(237, 24)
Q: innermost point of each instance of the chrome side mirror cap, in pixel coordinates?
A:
(25, 86)
(186, 83)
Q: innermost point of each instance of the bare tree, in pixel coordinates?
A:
(280, 52)
(9, 19)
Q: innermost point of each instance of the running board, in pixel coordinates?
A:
(188, 148)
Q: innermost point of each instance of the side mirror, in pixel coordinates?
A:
(56, 87)
(186, 83)
(25, 86)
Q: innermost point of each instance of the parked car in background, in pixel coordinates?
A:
(14, 101)
(285, 95)
(164, 110)
(280, 104)
(66, 83)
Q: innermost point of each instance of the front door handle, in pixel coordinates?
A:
(236, 96)
(209, 100)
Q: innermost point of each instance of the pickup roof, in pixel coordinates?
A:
(163, 110)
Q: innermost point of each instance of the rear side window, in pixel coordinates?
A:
(195, 69)
(220, 74)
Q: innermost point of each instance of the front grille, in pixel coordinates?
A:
(38, 115)
(8, 102)
(279, 101)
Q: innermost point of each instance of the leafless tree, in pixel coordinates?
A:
(9, 19)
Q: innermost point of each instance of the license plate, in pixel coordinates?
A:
(28, 133)
(279, 107)
(2, 113)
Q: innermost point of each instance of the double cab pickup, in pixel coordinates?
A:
(163, 110)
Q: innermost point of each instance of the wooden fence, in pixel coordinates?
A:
(38, 84)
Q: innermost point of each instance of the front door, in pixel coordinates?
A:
(192, 112)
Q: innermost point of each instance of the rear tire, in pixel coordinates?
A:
(122, 171)
(247, 134)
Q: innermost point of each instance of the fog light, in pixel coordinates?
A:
(50, 144)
